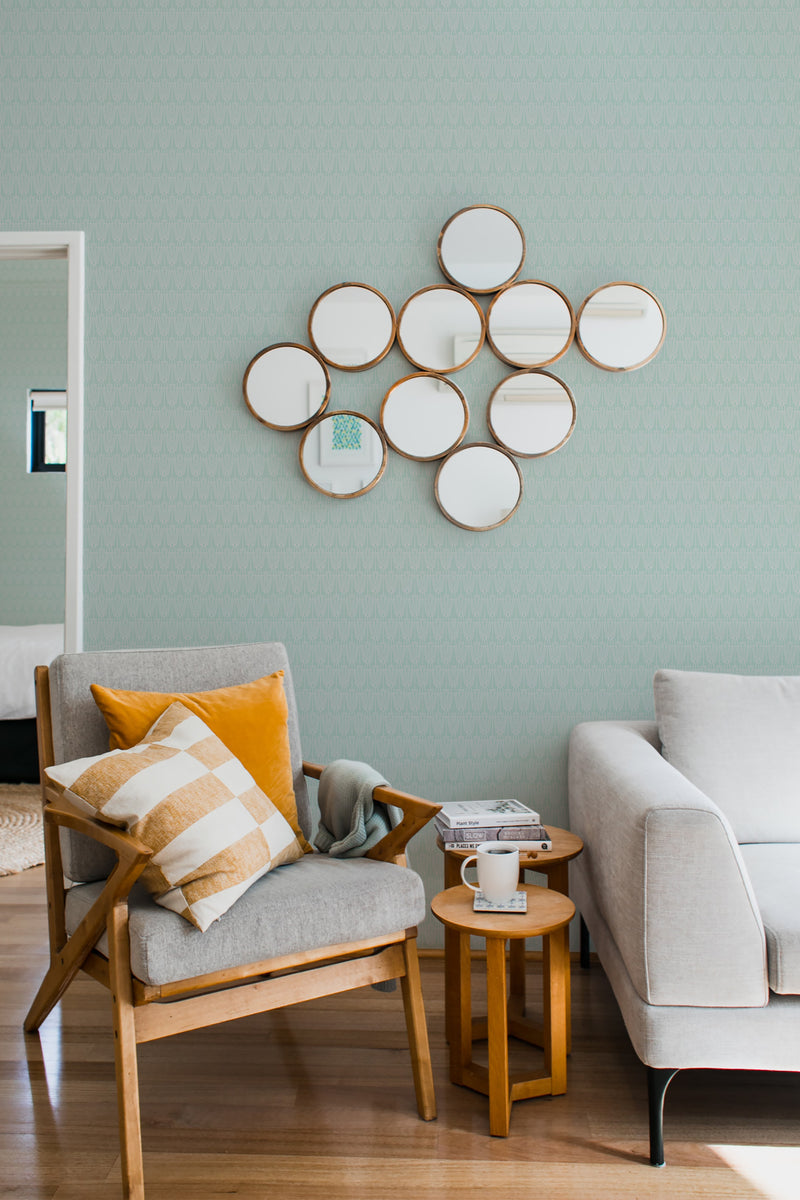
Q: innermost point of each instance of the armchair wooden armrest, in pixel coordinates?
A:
(416, 814)
(59, 811)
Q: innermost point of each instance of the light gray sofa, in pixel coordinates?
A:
(689, 882)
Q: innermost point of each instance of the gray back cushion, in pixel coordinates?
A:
(737, 738)
(79, 729)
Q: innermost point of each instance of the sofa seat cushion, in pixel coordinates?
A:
(736, 738)
(775, 875)
(315, 902)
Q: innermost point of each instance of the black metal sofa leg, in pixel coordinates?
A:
(585, 958)
(658, 1080)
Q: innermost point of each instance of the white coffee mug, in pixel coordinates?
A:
(498, 870)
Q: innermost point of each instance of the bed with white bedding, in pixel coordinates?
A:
(22, 648)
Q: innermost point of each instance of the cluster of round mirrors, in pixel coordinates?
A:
(528, 324)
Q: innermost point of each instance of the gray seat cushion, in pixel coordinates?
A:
(775, 875)
(316, 902)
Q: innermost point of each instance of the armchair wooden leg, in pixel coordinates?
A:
(52, 988)
(411, 986)
(658, 1080)
(130, 1130)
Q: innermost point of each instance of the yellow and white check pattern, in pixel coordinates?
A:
(181, 792)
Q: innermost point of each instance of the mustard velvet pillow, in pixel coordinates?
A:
(183, 794)
(252, 719)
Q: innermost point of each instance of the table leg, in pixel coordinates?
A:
(452, 877)
(459, 1007)
(556, 996)
(499, 1093)
(516, 971)
(516, 958)
(558, 880)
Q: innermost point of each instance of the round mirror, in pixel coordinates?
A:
(424, 416)
(286, 386)
(621, 326)
(481, 248)
(343, 454)
(352, 326)
(530, 324)
(440, 328)
(531, 413)
(479, 486)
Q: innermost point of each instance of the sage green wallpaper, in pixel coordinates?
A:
(33, 354)
(230, 162)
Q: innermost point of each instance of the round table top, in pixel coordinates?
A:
(566, 846)
(547, 911)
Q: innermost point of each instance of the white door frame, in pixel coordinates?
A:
(70, 246)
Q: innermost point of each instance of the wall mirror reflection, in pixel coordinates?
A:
(440, 328)
(286, 386)
(352, 326)
(479, 486)
(424, 416)
(621, 326)
(343, 454)
(531, 413)
(530, 324)
(481, 248)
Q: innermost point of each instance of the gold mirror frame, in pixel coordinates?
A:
(361, 366)
(299, 424)
(632, 366)
(536, 453)
(462, 450)
(472, 208)
(330, 416)
(437, 368)
(497, 301)
(443, 381)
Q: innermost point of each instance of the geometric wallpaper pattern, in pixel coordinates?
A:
(227, 163)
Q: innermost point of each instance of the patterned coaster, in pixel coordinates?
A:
(517, 904)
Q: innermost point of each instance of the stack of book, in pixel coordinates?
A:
(464, 824)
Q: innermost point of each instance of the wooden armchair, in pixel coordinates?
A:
(315, 928)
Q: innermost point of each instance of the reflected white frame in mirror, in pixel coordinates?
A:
(530, 324)
(621, 326)
(424, 416)
(531, 413)
(343, 454)
(286, 386)
(441, 328)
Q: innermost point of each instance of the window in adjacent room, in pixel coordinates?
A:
(48, 430)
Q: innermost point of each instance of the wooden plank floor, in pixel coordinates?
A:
(317, 1103)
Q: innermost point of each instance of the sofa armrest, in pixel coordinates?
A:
(663, 866)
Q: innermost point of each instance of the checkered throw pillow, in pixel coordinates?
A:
(182, 793)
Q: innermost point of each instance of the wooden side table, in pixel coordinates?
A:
(554, 864)
(548, 916)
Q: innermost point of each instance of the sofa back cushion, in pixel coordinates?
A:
(737, 738)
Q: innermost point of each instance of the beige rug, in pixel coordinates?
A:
(21, 839)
